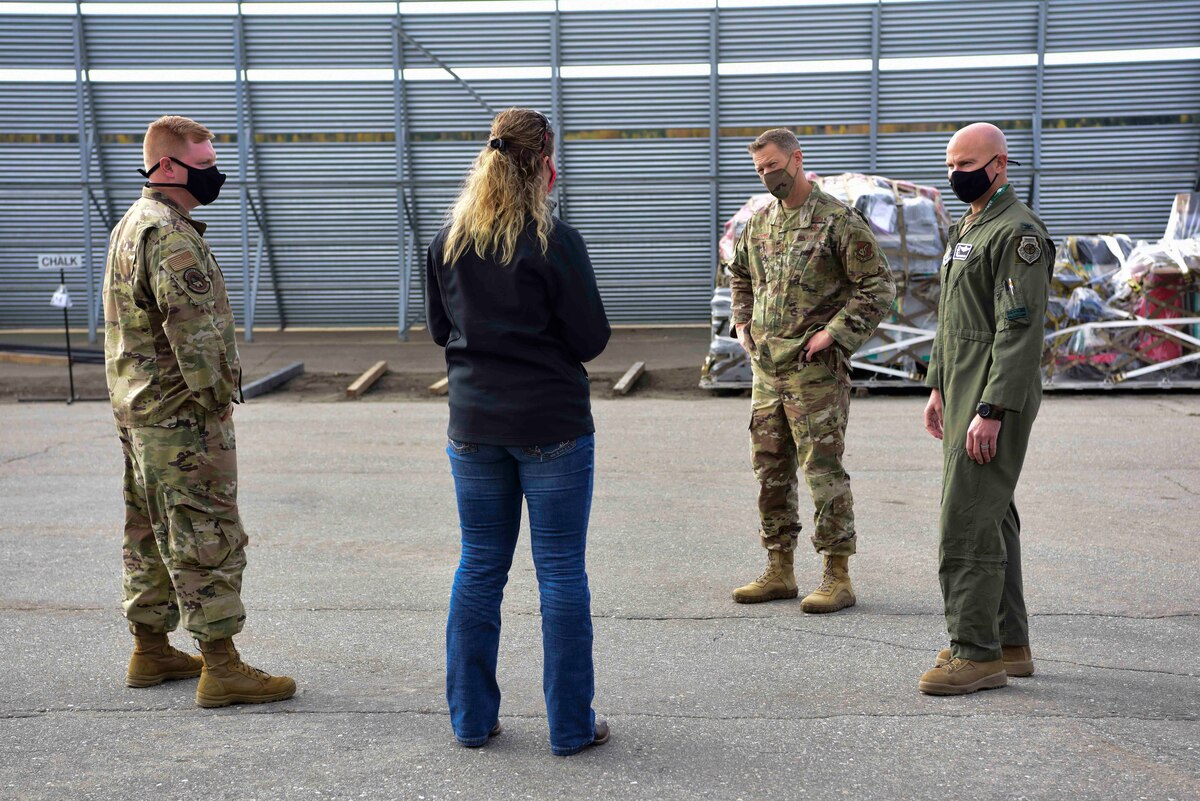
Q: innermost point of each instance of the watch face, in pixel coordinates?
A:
(984, 410)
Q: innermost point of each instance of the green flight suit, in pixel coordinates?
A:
(995, 280)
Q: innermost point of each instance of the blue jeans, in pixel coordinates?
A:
(556, 482)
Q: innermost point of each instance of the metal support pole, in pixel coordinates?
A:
(556, 109)
(243, 143)
(714, 136)
(403, 220)
(252, 292)
(876, 33)
(1035, 181)
(85, 169)
(62, 279)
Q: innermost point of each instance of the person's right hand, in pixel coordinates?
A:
(743, 335)
(933, 414)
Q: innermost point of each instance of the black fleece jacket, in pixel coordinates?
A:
(516, 337)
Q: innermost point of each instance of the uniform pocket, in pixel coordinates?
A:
(200, 537)
(1011, 309)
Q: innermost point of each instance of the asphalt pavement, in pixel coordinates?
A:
(354, 539)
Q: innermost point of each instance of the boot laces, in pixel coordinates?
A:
(828, 579)
(253, 672)
(769, 572)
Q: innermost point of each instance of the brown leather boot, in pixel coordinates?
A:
(836, 592)
(155, 661)
(1018, 660)
(776, 582)
(228, 680)
(962, 676)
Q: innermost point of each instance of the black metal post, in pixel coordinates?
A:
(62, 279)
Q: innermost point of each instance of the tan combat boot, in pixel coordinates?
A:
(1018, 660)
(835, 591)
(155, 661)
(228, 680)
(775, 583)
(962, 676)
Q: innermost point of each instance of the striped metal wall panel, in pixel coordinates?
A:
(1118, 140)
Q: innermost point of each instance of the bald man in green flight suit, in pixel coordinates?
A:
(985, 377)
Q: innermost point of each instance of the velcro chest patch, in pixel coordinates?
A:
(962, 251)
(181, 260)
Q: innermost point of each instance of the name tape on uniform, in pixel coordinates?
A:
(60, 261)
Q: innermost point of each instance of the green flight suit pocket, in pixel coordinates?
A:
(1011, 309)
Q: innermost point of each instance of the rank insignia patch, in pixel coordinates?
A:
(864, 251)
(196, 281)
(1030, 249)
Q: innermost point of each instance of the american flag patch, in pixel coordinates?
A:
(181, 260)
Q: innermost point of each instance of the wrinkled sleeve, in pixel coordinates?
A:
(873, 288)
(435, 311)
(183, 290)
(578, 308)
(1022, 285)
(741, 289)
(933, 374)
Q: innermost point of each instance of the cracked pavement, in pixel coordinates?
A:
(350, 511)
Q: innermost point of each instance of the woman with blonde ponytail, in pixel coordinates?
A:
(512, 297)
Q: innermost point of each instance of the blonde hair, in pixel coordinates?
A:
(504, 190)
(783, 138)
(169, 136)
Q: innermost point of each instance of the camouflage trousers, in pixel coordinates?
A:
(798, 423)
(184, 548)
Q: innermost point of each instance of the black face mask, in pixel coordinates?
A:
(969, 185)
(204, 184)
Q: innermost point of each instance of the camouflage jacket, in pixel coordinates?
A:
(797, 271)
(168, 328)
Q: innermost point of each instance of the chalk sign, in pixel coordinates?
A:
(60, 261)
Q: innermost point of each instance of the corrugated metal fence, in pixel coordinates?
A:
(336, 183)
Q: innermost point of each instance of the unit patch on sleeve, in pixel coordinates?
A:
(196, 281)
(863, 251)
(962, 251)
(1030, 249)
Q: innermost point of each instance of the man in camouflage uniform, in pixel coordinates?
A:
(809, 285)
(173, 374)
(986, 387)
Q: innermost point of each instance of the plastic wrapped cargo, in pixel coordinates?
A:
(1115, 307)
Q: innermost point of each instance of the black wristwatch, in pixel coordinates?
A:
(989, 412)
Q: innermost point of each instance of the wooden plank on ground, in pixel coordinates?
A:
(272, 382)
(441, 387)
(366, 380)
(625, 385)
(33, 358)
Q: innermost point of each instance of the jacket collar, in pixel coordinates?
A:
(149, 193)
(792, 219)
(994, 209)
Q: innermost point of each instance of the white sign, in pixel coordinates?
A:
(61, 299)
(60, 261)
